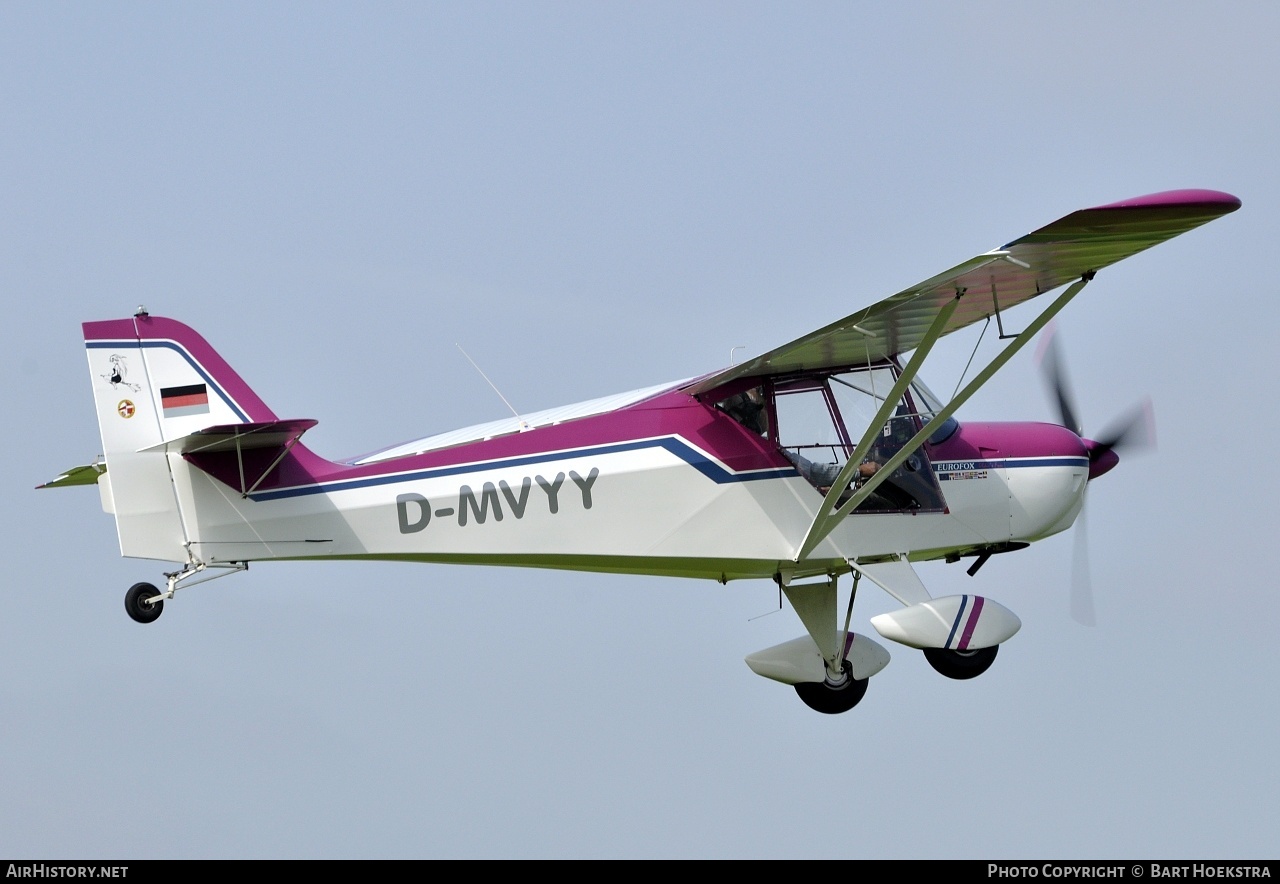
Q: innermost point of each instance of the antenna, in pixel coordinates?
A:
(523, 426)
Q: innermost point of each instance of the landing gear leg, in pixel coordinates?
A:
(144, 603)
(839, 691)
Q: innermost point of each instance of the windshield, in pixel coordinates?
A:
(929, 405)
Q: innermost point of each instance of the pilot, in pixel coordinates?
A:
(824, 475)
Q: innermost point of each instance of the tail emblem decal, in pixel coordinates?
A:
(119, 370)
(125, 408)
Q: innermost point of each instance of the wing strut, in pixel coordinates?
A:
(827, 519)
(850, 469)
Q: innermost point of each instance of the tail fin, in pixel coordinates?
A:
(155, 381)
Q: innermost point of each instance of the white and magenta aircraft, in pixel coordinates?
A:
(825, 457)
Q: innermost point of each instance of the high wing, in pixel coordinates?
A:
(1070, 248)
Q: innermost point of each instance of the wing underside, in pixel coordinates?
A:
(1058, 253)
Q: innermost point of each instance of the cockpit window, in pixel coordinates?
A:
(821, 417)
(861, 394)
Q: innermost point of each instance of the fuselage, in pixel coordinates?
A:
(658, 481)
(669, 485)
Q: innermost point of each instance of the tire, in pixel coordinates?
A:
(138, 608)
(830, 699)
(961, 664)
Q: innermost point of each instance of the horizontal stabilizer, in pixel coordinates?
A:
(237, 437)
(86, 475)
(237, 454)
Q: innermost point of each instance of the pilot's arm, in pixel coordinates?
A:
(866, 470)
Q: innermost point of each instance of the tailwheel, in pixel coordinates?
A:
(138, 605)
(961, 664)
(833, 698)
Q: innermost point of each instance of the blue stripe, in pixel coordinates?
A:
(170, 345)
(964, 603)
(939, 466)
(672, 444)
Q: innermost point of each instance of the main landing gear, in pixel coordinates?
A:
(144, 603)
(831, 667)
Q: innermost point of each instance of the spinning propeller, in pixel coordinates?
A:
(1134, 429)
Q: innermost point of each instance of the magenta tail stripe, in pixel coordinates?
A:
(971, 624)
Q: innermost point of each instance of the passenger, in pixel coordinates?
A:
(747, 408)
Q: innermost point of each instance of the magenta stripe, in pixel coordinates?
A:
(1177, 199)
(670, 414)
(971, 624)
(980, 440)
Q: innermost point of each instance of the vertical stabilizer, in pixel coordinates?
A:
(155, 380)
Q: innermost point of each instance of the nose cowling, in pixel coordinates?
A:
(1102, 458)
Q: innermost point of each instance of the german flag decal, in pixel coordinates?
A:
(182, 401)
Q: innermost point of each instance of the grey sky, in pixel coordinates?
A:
(592, 198)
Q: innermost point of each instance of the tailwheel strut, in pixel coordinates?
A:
(144, 603)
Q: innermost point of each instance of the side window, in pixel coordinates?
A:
(807, 424)
(749, 409)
